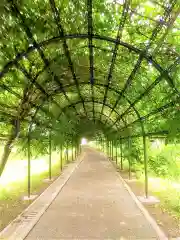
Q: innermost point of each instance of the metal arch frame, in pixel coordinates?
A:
(19, 56)
(148, 58)
(159, 133)
(79, 102)
(148, 89)
(140, 118)
(155, 111)
(117, 41)
(40, 89)
(140, 59)
(118, 37)
(98, 120)
(131, 104)
(144, 134)
(17, 95)
(33, 118)
(76, 103)
(31, 39)
(152, 86)
(143, 94)
(33, 82)
(109, 119)
(143, 54)
(112, 89)
(90, 45)
(87, 101)
(57, 19)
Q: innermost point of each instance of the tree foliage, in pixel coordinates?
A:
(52, 51)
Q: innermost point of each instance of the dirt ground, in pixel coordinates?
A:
(11, 208)
(169, 224)
(93, 204)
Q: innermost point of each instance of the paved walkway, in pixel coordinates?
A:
(93, 204)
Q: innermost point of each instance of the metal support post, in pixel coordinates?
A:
(72, 155)
(50, 151)
(121, 154)
(129, 157)
(116, 151)
(61, 158)
(145, 165)
(67, 154)
(29, 165)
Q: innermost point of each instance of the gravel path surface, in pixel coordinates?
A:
(93, 204)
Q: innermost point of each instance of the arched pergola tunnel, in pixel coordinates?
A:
(110, 64)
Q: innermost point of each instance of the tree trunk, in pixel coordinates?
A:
(8, 145)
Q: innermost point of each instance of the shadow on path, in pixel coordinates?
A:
(94, 204)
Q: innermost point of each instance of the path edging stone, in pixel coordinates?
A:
(20, 227)
(160, 234)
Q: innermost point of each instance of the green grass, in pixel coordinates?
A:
(14, 189)
(168, 192)
(166, 188)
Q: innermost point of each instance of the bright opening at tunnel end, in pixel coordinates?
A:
(84, 141)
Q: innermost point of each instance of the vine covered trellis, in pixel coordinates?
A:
(113, 62)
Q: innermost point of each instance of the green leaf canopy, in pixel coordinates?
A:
(112, 62)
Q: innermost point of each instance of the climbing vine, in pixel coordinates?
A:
(113, 63)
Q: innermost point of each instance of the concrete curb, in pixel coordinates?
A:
(20, 227)
(160, 234)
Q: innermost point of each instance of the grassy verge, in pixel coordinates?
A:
(166, 190)
(167, 213)
(13, 190)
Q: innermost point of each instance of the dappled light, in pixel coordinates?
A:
(102, 73)
(16, 170)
